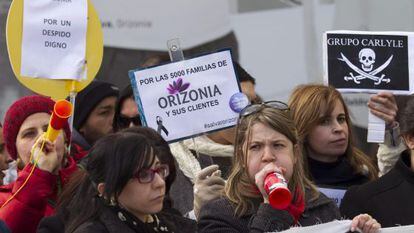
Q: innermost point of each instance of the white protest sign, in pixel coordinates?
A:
(335, 194)
(369, 62)
(54, 39)
(344, 226)
(190, 97)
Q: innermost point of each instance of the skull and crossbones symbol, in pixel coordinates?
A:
(367, 59)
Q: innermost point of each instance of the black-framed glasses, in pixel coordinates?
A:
(147, 175)
(253, 108)
(124, 121)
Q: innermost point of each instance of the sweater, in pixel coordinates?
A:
(389, 199)
(339, 174)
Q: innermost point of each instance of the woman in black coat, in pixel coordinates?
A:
(122, 189)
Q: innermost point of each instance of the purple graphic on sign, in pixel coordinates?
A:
(177, 87)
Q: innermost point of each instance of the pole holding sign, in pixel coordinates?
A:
(174, 49)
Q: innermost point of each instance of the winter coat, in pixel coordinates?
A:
(389, 152)
(219, 216)
(110, 222)
(389, 199)
(3, 227)
(79, 146)
(56, 222)
(36, 200)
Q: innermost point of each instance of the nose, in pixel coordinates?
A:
(268, 155)
(158, 181)
(338, 127)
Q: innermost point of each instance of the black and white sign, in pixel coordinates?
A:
(368, 61)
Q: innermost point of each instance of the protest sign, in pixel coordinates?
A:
(344, 226)
(369, 61)
(56, 88)
(190, 97)
(336, 194)
(56, 32)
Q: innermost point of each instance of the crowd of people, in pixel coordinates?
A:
(111, 174)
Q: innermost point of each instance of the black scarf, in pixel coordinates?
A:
(154, 225)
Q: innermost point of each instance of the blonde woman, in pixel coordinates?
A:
(266, 142)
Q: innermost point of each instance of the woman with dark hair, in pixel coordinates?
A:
(122, 186)
(267, 142)
(126, 111)
(390, 198)
(165, 156)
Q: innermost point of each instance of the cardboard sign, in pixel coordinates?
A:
(54, 39)
(369, 61)
(190, 97)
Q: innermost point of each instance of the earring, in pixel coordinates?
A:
(112, 202)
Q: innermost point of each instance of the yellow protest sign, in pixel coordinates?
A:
(57, 89)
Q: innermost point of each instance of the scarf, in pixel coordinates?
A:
(297, 208)
(152, 224)
(186, 160)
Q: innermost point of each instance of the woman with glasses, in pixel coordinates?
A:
(121, 189)
(267, 142)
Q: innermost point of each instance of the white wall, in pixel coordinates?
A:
(272, 47)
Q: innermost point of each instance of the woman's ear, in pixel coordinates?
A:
(409, 141)
(101, 189)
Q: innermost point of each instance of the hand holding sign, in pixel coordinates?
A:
(384, 106)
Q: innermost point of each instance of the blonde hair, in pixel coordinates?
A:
(307, 103)
(239, 188)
